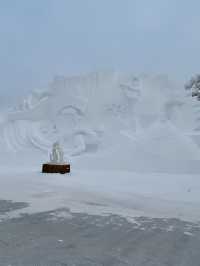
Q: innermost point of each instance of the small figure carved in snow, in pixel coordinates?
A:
(57, 154)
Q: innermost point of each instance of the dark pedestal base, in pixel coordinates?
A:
(56, 168)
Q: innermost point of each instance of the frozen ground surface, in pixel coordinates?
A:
(98, 217)
(59, 238)
(128, 194)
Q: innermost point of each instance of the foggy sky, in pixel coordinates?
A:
(43, 38)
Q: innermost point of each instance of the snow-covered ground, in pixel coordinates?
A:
(133, 144)
(124, 193)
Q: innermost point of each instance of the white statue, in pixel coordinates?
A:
(57, 154)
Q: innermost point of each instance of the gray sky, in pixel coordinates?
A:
(43, 38)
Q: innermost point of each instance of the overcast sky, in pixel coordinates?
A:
(43, 38)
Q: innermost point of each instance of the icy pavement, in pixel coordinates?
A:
(59, 238)
(123, 193)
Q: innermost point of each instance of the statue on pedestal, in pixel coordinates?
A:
(57, 163)
(57, 154)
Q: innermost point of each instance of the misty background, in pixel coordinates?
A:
(44, 38)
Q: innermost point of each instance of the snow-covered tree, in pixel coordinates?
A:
(194, 85)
